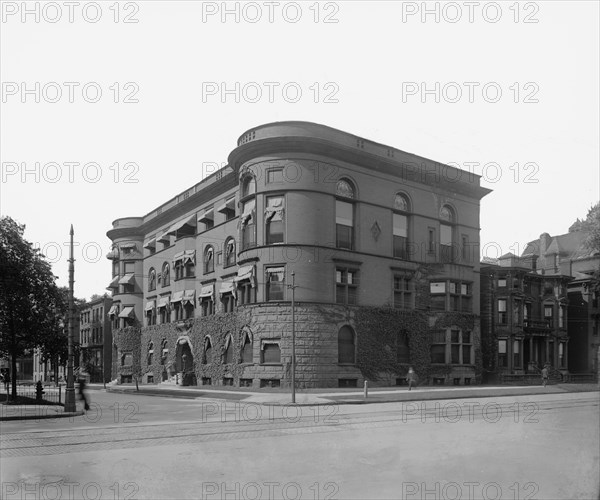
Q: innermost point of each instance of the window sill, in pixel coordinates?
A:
(346, 364)
(271, 364)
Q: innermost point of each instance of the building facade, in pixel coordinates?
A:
(569, 254)
(379, 247)
(524, 318)
(95, 339)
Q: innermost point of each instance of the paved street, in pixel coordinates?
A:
(131, 446)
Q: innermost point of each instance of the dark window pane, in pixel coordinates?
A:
(352, 293)
(438, 303)
(275, 232)
(247, 351)
(466, 352)
(271, 354)
(400, 247)
(340, 294)
(344, 237)
(455, 353)
(438, 354)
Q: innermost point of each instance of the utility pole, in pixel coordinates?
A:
(70, 405)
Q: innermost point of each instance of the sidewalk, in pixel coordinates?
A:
(353, 396)
(35, 412)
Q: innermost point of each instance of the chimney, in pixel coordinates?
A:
(544, 243)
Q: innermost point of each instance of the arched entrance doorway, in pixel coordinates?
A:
(184, 362)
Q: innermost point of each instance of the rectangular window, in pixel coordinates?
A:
(455, 347)
(344, 222)
(402, 292)
(246, 293)
(275, 283)
(207, 306)
(561, 316)
(431, 240)
(501, 282)
(549, 315)
(275, 176)
(271, 353)
(446, 248)
(464, 248)
(516, 353)
(502, 361)
(516, 313)
(400, 234)
(438, 347)
(502, 311)
(128, 267)
(346, 286)
(275, 225)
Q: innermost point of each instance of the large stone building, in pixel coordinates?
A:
(379, 247)
(95, 339)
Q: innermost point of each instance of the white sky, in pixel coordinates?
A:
(369, 55)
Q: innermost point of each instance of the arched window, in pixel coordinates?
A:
(150, 352)
(400, 226)
(127, 359)
(246, 348)
(207, 358)
(344, 214)
(209, 259)
(166, 274)
(346, 346)
(151, 279)
(447, 218)
(345, 189)
(228, 354)
(230, 252)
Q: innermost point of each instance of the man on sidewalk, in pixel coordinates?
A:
(545, 375)
(411, 378)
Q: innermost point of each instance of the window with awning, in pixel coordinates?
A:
(113, 310)
(127, 246)
(207, 216)
(128, 279)
(177, 297)
(150, 243)
(189, 297)
(183, 227)
(113, 254)
(245, 273)
(127, 312)
(185, 257)
(151, 304)
(227, 287)
(247, 217)
(114, 283)
(164, 237)
(207, 291)
(274, 222)
(163, 302)
(228, 208)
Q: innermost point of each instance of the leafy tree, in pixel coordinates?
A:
(55, 345)
(590, 225)
(29, 297)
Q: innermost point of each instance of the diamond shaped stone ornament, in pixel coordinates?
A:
(375, 230)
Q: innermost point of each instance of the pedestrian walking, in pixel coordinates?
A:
(82, 389)
(411, 378)
(545, 375)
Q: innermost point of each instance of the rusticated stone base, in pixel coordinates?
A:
(159, 354)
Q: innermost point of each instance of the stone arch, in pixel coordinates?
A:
(184, 357)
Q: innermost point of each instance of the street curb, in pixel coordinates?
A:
(425, 396)
(434, 398)
(43, 417)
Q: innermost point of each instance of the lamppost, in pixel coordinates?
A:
(293, 288)
(70, 391)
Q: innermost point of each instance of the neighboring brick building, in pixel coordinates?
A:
(384, 246)
(523, 318)
(95, 339)
(541, 307)
(568, 254)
